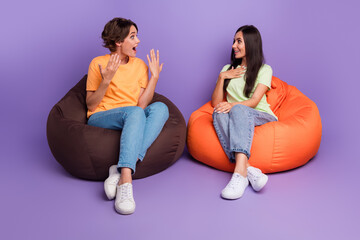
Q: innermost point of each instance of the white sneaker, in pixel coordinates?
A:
(236, 187)
(124, 202)
(111, 182)
(256, 178)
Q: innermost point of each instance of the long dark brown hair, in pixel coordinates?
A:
(254, 57)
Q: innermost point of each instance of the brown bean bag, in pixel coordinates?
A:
(277, 146)
(87, 152)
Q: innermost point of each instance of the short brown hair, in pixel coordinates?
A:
(115, 31)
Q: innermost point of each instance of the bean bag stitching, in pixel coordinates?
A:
(90, 155)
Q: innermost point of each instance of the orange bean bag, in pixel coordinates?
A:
(277, 146)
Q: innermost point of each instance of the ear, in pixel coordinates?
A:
(118, 44)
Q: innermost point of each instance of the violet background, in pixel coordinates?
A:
(46, 47)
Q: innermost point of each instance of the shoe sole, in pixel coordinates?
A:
(124, 212)
(231, 198)
(107, 195)
(234, 197)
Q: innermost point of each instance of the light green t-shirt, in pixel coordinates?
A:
(235, 89)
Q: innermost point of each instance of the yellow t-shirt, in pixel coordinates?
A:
(124, 88)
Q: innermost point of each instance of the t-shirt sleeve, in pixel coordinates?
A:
(144, 76)
(225, 68)
(265, 75)
(94, 76)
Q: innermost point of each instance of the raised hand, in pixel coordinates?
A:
(108, 73)
(154, 66)
(233, 73)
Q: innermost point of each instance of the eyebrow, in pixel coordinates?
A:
(133, 33)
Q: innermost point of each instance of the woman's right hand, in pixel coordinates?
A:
(108, 73)
(233, 73)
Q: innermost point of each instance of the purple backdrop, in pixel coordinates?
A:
(46, 47)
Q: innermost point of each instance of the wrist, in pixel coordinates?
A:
(105, 82)
(221, 77)
(234, 103)
(154, 78)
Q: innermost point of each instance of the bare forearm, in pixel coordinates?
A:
(225, 107)
(259, 92)
(250, 103)
(93, 99)
(148, 94)
(218, 94)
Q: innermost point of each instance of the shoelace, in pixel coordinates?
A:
(254, 174)
(114, 180)
(125, 192)
(235, 181)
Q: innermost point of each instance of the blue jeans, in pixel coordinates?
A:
(140, 127)
(235, 129)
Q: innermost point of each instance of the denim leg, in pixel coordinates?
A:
(241, 126)
(221, 125)
(237, 128)
(131, 120)
(156, 116)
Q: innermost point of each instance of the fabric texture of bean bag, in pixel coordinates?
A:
(277, 146)
(87, 152)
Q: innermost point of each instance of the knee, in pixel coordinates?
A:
(239, 109)
(160, 109)
(137, 113)
(218, 117)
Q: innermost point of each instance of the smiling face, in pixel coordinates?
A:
(239, 46)
(129, 45)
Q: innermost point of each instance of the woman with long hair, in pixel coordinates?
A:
(240, 104)
(118, 95)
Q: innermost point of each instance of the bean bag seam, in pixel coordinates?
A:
(87, 150)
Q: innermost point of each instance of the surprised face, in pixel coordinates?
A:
(129, 45)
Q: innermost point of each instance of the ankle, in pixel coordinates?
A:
(242, 173)
(125, 180)
(125, 176)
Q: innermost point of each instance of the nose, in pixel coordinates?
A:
(137, 40)
(234, 45)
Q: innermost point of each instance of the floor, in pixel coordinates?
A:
(310, 44)
(40, 200)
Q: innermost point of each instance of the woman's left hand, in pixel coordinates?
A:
(223, 107)
(154, 66)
